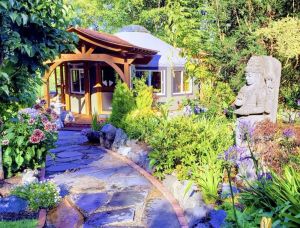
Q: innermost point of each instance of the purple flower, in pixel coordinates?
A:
(246, 129)
(288, 133)
(298, 102)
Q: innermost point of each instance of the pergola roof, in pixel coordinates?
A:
(101, 38)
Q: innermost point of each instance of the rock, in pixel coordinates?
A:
(159, 213)
(29, 176)
(124, 150)
(226, 190)
(64, 215)
(12, 204)
(217, 218)
(195, 214)
(127, 198)
(93, 136)
(108, 217)
(107, 135)
(89, 203)
(120, 139)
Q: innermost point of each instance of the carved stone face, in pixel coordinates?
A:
(252, 77)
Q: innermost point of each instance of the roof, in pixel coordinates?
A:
(109, 39)
(167, 55)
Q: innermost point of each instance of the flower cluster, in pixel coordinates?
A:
(37, 136)
(246, 130)
(288, 133)
(5, 142)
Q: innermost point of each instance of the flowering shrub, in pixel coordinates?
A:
(26, 141)
(39, 194)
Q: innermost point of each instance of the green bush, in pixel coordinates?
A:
(140, 124)
(143, 94)
(192, 146)
(122, 103)
(39, 195)
(278, 198)
(19, 224)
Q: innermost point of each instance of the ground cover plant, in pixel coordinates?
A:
(28, 138)
(39, 195)
(19, 224)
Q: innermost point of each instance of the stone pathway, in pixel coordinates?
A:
(100, 191)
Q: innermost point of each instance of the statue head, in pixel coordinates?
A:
(254, 71)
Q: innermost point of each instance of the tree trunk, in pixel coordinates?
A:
(1, 165)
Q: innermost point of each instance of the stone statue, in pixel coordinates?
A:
(257, 100)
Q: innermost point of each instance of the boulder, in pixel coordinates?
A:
(12, 204)
(107, 135)
(120, 139)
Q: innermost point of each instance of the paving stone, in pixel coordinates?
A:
(127, 198)
(88, 203)
(62, 167)
(108, 217)
(68, 154)
(64, 215)
(12, 204)
(159, 213)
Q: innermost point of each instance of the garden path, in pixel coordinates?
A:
(101, 191)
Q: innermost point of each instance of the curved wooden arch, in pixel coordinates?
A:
(90, 58)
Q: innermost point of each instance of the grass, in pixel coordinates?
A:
(19, 224)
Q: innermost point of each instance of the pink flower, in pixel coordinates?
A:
(54, 127)
(39, 134)
(44, 119)
(54, 116)
(49, 110)
(5, 142)
(37, 107)
(48, 126)
(31, 121)
(34, 140)
(43, 102)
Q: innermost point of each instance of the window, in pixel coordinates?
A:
(77, 81)
(156, 79)
(181, 83)
(108, 77)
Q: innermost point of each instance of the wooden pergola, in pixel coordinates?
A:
(98, 48)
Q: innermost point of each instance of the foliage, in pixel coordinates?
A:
(282, 37)
(95, 125)
(39, 195)
(143, 94)
(141, 123)
(19, 224)
(32, 32)
(192, 147)
(26, 141)
(122, 103)
(291, 95)
(278, 197)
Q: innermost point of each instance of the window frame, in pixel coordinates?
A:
(189, 92)
(81, 87)
(163, 80)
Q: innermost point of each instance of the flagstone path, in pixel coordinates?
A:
(103, 191)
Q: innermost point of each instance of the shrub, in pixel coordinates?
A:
(141, 123)
(39, 195)
(143, 94)
(27, 140)
(123, 102)
(192, 147)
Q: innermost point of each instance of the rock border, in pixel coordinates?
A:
(176, 207)
(42, 212)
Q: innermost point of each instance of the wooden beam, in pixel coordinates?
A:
(62, 83)
(98, 88)
(89, 57)
(127, 74)
(55, 79)
(67, 88)
(83, 49)
(97, 44)
(87, 92)
(47, 92)
(90, 51)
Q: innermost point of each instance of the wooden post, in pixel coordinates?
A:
(98, 88)
(67, 87)
(47, 92)
(87, 92)
(55, 79)
(62, 84)
(127, 73)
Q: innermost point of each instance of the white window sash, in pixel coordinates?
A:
(182, 85)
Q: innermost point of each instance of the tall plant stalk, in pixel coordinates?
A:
(228, 169)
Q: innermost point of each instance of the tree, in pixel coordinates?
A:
(32, 32)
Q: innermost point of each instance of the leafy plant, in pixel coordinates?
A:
(122, 103)
(27, 140)
(143, 94)
(20, 223)
(39, 195)
(279, 196)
